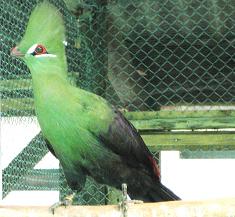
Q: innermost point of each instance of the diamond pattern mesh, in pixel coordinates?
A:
(139, 55)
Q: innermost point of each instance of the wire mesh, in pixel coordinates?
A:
(139, 55)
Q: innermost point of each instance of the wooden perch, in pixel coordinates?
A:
(207, 208)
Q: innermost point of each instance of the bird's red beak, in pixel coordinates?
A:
(16, 53)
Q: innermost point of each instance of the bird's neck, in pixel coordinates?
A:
(48, 71)
(49, 81)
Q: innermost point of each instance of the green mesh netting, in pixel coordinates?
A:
(139, 55)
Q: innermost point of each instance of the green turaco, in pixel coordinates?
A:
(88, 135)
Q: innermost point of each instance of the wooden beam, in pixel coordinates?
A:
(19, 104)
(190, 141)
(174, 119)
(23, 84)
(205, 208)
(174, 112)
(159, 120)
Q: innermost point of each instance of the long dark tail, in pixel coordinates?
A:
(161, 193)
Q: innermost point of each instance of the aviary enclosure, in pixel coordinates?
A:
(168, 65)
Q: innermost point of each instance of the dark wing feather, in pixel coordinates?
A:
(76, 179)
(123, 139)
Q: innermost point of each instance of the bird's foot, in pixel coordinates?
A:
(67, 201)
(126, 200)
(123, 110)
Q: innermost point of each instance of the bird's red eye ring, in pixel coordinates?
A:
(40, 50)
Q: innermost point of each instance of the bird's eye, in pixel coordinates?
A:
(39, 50)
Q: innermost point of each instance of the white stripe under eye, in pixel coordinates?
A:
(45, 55)
(32, 49)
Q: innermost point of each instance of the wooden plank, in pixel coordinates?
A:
(159, 120)
(210, 154)
(185, 123)
(204, 208)
(23, 84)
(171, 119)
(20, 104)
(176, 113)
(26, 84)
(190, 141)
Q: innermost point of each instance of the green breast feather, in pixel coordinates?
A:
(71, 119)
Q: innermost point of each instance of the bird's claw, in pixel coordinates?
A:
(55, 206)
(123, 205)
(67, 201)
(123, 110)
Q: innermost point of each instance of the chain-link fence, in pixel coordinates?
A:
(139, 55)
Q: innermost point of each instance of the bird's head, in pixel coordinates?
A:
(44, 37)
